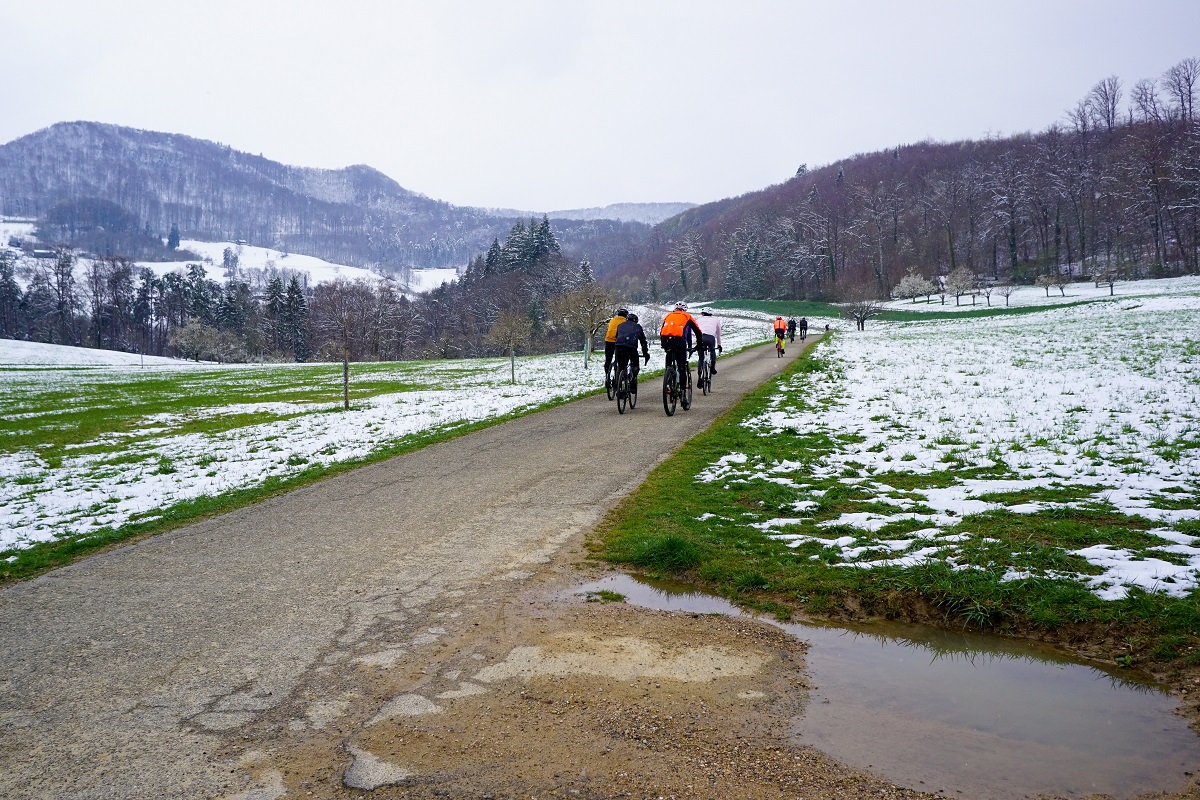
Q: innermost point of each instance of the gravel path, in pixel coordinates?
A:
(199, 662)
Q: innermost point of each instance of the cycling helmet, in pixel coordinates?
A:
(633, 318)
(622, 312)
(706, 312)
(681, 306)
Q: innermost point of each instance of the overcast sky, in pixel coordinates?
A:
(557, 104)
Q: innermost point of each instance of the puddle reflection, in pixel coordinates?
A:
(969, 713)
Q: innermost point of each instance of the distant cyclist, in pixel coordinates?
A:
(610, 338)
(780, 328)
(791, 329)
(710, 342)
(629, 336)
(676, 325)
(803, 328)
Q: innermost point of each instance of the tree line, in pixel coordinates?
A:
(1115, 188)
(523, 293)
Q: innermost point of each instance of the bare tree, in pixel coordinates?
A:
(1005, 290)
(583, 310)
(1145, 99)
(862, 310)
(510, 331)
(1105, 100)
(340, 312)
(1180, 81)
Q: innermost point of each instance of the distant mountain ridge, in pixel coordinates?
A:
(648, 213)
(355, 215)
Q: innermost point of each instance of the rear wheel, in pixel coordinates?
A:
(610, 383)
(632, 390)
(622, 392)
(703, 378)
(687, 392)
(670, 389)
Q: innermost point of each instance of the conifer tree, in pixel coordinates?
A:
(295, 321)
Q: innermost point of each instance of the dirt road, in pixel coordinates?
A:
(396, 629)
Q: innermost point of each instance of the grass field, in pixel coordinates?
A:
(92, 455)
(1033, 469)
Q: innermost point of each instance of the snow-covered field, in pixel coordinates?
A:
(1024, 296)
(251, 257)
(1101, 398)
(254, 258)
(133, 472)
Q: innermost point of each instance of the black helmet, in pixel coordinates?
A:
(633, 317)
(622, 312)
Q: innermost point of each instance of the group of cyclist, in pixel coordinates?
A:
(786, 331)
(680, 335)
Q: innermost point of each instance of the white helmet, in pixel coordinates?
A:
(681, 306)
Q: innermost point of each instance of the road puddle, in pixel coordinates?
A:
(969, 714)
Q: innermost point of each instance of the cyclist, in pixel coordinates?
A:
(676, 325)
(710, 342)
(629, 335)
(791, 329)
(610, 337)
(780, 328)
(803, 328)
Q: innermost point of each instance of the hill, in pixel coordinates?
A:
(1105, 193)
(355, 215)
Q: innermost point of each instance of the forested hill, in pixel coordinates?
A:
(1115, 187)
(354, 215)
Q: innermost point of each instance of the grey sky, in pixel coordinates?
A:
(550, 104)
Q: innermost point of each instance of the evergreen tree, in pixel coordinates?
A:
(10, 299)
(295, 321)
(173, 238)
(515, 250)
(494, 260)
(273, 314)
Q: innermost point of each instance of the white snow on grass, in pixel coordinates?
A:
(1104, 396)
(139, 473)
(1024, 296)
(250, 257)
(15, 353)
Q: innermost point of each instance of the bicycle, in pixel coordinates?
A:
(704, 377)
(626, 388)
(671, 391)
(779, 347)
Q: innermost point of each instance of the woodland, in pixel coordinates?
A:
(1110, 193)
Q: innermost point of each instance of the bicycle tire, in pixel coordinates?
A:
(670, 398)
(632, 390)
(687, 392)
(702, 379)
(609, 383)
(622, 391)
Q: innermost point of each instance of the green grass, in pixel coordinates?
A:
(677, 527)
(33, 560)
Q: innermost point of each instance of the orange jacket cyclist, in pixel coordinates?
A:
(672, 335)
(780, 331)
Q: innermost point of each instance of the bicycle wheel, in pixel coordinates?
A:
(622, 391)
(702, 378)
(632, 390)
(687, 392)
(609, 383)
(670, 393)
